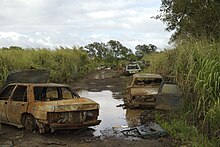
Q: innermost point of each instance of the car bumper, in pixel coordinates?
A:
(57, 126)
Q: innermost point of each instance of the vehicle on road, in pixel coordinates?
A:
(44, 106)
(132, 68)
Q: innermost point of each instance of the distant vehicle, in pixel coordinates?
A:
(132, 68)
(44, 106)
(150, 90)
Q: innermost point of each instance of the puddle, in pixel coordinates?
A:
(111, 115)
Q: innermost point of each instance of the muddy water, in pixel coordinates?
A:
(111, 115)
(104, 74)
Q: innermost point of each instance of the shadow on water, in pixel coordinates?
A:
(111, 115)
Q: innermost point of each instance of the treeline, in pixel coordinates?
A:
(113, 52)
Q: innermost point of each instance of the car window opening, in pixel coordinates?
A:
(147, 81)
(6, 92)
(20, 94)
(53, 93)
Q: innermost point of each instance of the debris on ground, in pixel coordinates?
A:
(54, 143)
(91, 139)
(7, 144)
(151, 130)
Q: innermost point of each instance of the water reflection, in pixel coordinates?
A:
(111, 115)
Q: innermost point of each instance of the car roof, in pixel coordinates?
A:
(41, 84)
(133, 63)
(147, 75)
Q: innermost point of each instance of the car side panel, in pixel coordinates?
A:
(3, 108)
(15, 110)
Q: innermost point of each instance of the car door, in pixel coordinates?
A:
(168, 97)
(4, 99)
(17, 105)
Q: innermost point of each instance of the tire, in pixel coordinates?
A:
(29, 123)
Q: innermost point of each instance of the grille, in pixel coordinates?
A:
(72, 117)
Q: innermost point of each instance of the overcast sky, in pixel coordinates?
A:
(53, 23)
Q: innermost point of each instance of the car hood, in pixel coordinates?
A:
(142, 91)
(76, 104)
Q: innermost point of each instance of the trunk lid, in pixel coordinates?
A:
(76, 104)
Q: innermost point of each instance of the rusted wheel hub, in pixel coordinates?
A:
(29, 123)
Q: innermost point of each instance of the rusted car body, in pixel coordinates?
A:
(151, 91)
(142, 89)
(46, 106)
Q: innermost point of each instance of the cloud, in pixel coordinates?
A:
(50, 23)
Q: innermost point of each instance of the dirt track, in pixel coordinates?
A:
(95, 82)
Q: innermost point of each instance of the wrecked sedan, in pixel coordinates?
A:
(46, 106)
(142, 90)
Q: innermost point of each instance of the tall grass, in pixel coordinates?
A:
(196, 67)
(64, 64)
(183, 133)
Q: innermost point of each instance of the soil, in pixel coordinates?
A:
(95, 82)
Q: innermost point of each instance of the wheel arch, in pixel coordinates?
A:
(23, 115)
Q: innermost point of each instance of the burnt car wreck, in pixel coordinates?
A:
(152, 91)
(44, 106)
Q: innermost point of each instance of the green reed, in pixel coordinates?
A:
(64, 64)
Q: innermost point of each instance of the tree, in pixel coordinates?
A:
(141, 50)
(119, 51)
(96, 50)
(191, 18)
(109, 53)
(115, 47)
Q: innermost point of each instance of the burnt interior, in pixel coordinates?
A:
(54, 93)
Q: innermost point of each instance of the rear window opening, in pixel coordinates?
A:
(53, 93)
(144, 81)
(133, 67)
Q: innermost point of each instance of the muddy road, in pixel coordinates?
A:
(105, 87)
